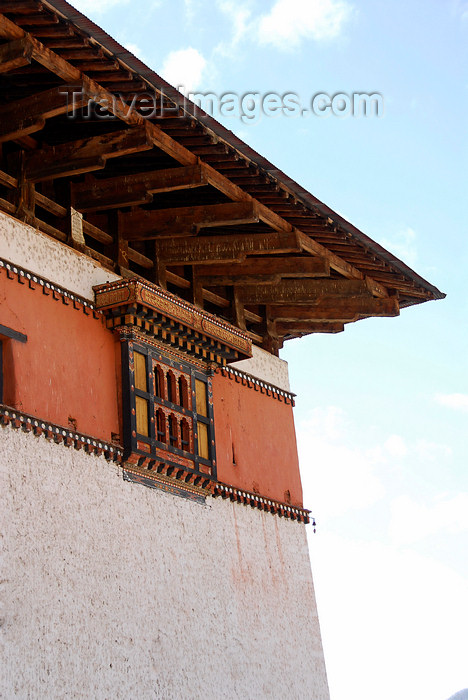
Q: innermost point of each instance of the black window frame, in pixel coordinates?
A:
(7, 333)
(145, 445)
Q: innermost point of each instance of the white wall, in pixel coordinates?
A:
(266, 367)
(113, 590)
(27, 247)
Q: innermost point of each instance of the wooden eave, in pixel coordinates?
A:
(177, 200)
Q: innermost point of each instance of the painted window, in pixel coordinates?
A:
(168, 411)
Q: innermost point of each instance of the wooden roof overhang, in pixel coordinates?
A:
(175, 199)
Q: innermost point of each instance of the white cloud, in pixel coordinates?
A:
(239, 16)
(337, 472)
(457, 401)
(191, 7)
(396, 446)
(184, 69)
(403, 245)
(412, 521)
(344, 469)
(393, 622)
(292, 21)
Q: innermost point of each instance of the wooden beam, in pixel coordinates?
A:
(197, 290)
(304, 327)
(271, 341)
(238, 311)
(264, 270)
(28, 115)
(227, 281)
(15, 54)
(207, 249)
(180, 282)
(143, 224)
(87, 154)
(22, 7)
(97, 233)
(216, 299)
(50, 206)
(129, 190)
(121, 250)
(8, 29)
(301, 291)
(339, 309)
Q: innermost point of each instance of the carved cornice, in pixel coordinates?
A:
(255, 500)
(48, 288)
(258, 384)
(59, 434)
(162, 315)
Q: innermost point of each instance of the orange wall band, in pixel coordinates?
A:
(68, 372)
(255, 441)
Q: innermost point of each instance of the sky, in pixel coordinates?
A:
(382, 409)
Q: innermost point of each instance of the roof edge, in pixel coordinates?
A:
(135, 64)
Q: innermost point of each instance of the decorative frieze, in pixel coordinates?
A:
(48, 288)
(59, 434)
(267, 504)
(258, 384)
(172, 482)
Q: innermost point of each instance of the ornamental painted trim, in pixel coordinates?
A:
(128, 301)
(258, 384)
(133, 334)
(175, 486)
(267, 504)
(59, 434)
(55, 292)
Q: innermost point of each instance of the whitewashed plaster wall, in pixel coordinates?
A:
(27, 247)
(113, 590)
(266, 367)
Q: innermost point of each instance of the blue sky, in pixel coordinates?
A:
(382, 409)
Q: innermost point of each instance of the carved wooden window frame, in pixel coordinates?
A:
(140, 446)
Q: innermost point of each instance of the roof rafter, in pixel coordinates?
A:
(85, 155)
(265, 268)
(125, 190)
(304, 327)
(303, 291)
(146, 225)
(15, 54)
(226, 248)
(332, 308)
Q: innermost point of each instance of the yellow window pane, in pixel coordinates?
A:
(200, 394)
(141, 408)
(140, 371)
(203, 447)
